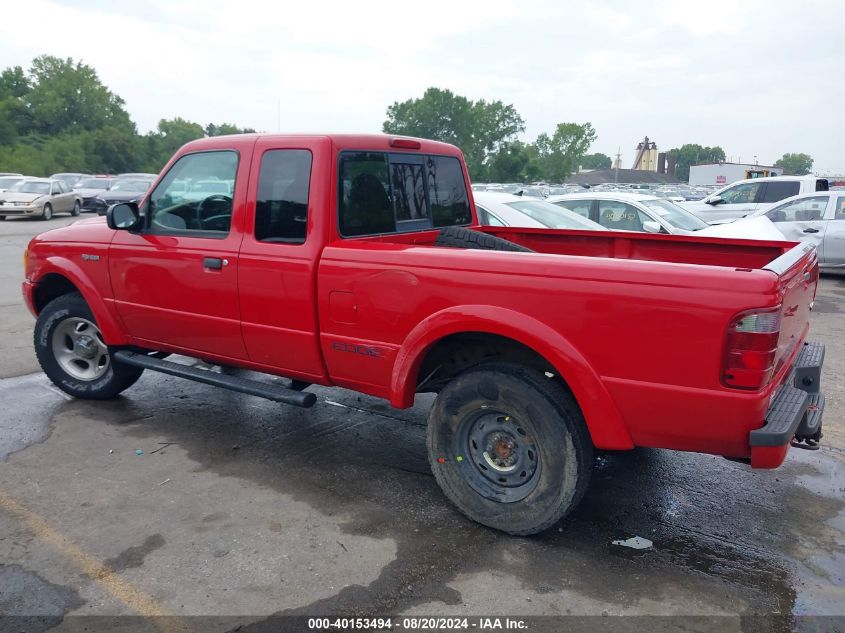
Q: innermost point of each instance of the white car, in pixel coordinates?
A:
(745, 197)
(813, 217)
(622, 211)
(504, 209)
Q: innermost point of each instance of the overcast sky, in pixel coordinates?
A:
(757, 78)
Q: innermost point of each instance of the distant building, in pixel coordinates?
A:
(726, 173)
(648, 159)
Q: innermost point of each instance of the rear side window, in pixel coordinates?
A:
(281, 206)
(777, 191)
(447, 191)
(388, 193)
(365, 206)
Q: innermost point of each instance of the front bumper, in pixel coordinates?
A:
(795, 413)
(28, 210)
(28, 291)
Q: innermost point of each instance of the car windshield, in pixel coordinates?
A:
(551, 215)
(131, 185)
(92, 183)
(8, 181)
(676, 216)
(212, 186)
(33, 186)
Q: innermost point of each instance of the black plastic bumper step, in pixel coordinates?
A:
(302, 399)
(808, 367)
(782, 418)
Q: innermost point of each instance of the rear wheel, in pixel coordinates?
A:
(47, 212)
(73, 354)
(509, 447)
(76, 209)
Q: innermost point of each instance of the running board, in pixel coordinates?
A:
(302, 399)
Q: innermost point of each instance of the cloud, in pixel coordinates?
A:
(754, 77)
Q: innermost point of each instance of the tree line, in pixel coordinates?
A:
(58, 116)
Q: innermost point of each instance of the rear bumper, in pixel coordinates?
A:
(795, 411)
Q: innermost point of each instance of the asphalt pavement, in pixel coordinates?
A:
(178, 499)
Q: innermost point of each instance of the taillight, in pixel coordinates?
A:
(751, 347)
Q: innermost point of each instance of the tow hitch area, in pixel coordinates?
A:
(795, 416)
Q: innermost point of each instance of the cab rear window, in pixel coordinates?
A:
(383, 192)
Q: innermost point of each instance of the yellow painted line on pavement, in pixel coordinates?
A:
(107, 578)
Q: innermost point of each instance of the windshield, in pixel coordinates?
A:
(92, 183)
(212, 186)
(131, 185)
(8, 181)
(33, 186)
(551, 215)
(678, 217)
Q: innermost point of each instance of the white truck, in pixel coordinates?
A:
(746, 197)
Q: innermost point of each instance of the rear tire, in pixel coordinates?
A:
(47, 212)
(72, 353)
(76, 209)
(509, 447)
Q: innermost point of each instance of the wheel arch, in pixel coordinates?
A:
(61, 276)
(522, 339)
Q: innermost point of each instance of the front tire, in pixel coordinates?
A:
(509, 447)
(47, 212)
(71, 351)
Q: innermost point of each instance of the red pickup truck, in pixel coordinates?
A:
(357, 261)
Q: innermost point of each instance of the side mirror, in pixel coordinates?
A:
(123, 217)
(650, 226)
(715, 200)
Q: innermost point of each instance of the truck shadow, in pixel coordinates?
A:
(717, 527)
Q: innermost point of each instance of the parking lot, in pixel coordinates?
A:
(178, 499)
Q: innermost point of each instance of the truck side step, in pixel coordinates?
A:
(302, 399)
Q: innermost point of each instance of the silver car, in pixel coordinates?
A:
(817, 217)
(39, 198)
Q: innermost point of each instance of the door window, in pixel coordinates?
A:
(581, 207)
(281, 206)
(839, 211)
(741, 194)
(195, 196)
(777, 190)
(620, 216)
(803, 210)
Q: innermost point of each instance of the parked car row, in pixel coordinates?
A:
(73, 193)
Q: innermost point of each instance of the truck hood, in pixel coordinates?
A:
(90, 230)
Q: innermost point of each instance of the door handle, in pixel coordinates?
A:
(811, 230)
(215, 263)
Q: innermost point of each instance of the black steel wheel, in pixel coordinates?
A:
(509, 447)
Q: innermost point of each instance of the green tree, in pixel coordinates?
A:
(171, 135)
(795, 164)
(694, 154)
(220, 129)
(562, 152)
(596, 161)
(67, 96)
(478, 128)
(508, 163)
(13, 83)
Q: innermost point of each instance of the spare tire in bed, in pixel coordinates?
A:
(459, 237)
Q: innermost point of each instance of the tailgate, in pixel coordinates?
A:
(798, 277)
